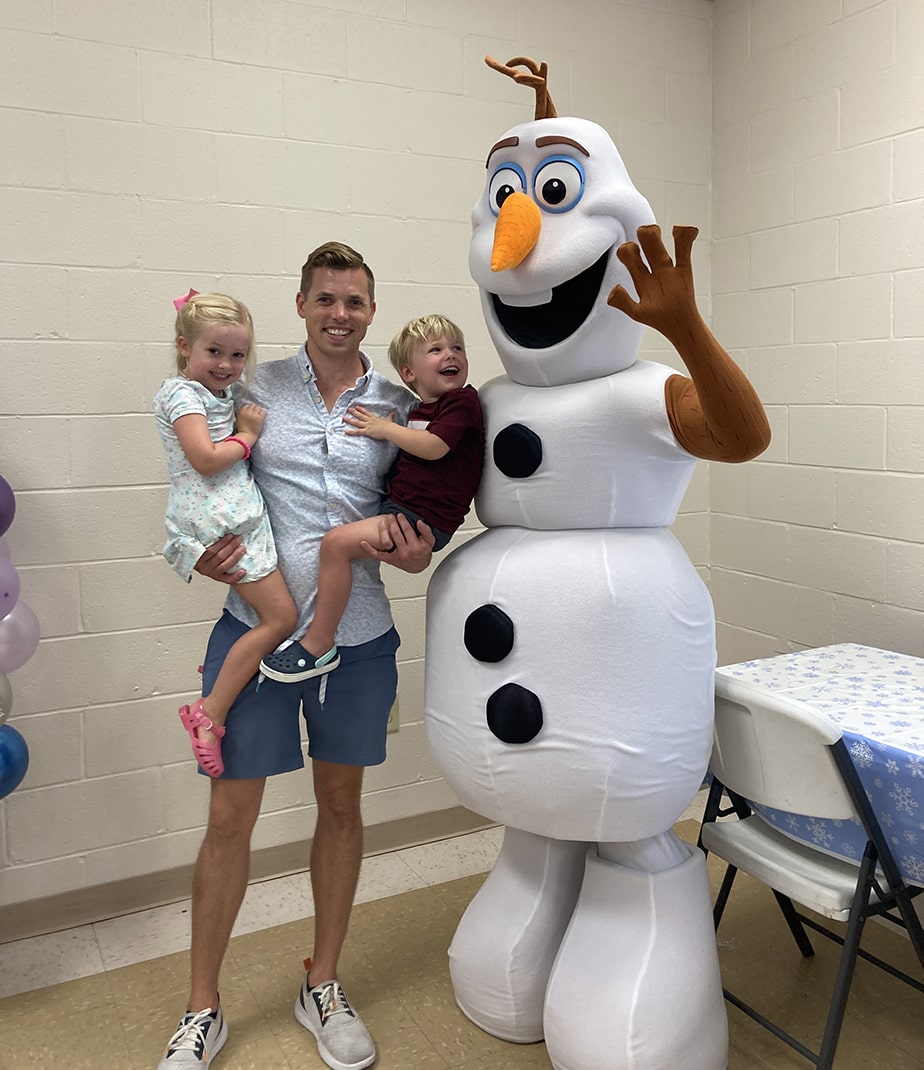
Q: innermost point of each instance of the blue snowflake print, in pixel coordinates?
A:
(915, 765)
(892, 766)
(818, 830)
(793, 822)
(904, 802)
(914, 867)
(848, 850)
(862, 753)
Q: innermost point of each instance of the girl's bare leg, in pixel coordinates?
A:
(339, 548)
(269, 598)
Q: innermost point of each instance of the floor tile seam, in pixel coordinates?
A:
(426, 881)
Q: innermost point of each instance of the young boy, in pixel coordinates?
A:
(441, 454)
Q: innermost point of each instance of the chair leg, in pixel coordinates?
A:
(795, 925)
(912, 922)
(855, 923)
(713, 801)
(722, 898)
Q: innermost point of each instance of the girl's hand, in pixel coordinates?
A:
(249, 419)
(363, 422)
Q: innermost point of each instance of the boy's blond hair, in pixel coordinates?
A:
(204, 309)
(422, 329)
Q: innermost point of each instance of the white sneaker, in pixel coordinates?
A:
(344, 1042)
(199, 1037)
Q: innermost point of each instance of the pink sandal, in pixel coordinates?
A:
(208, 755)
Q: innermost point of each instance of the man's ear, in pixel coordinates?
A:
(300, 304)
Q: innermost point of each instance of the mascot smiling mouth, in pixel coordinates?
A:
(543, 326)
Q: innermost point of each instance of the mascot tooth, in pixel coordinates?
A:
(570, 646)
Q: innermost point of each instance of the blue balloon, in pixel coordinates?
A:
(14, 759)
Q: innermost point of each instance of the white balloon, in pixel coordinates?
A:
(6, 698)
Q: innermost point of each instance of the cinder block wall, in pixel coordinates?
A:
(148, 148)
(818, 276)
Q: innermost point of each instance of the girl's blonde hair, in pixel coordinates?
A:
(204, 309)
(422, 329)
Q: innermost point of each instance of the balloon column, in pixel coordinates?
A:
(19, 636)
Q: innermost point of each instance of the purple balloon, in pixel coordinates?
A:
(7, 505)
(14, 759)
(19, 636)
(9, 586)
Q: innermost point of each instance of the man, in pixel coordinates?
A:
(313, 477)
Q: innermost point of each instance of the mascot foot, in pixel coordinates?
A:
(636, 983)
(505, 944)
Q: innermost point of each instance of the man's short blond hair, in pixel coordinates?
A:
(422, 329)
(338, 257)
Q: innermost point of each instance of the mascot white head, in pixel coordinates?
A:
(557, 204)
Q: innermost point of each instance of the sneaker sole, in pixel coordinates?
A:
(303, 1019)
(298, 677)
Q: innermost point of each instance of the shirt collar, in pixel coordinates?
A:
(310, 377)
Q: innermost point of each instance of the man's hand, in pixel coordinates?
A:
(412, 549)
(363, 422)
(220, 557)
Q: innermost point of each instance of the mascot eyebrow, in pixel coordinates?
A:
(541, 143)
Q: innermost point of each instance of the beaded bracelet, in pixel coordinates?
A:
(240, 442)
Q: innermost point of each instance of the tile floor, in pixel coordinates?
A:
(106, 996)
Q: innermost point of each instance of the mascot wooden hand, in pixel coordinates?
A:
(570, 646)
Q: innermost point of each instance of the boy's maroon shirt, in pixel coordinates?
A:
(442, 491)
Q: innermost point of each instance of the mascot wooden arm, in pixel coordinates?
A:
(716, 414)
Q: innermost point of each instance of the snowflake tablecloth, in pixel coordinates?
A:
(876, 697)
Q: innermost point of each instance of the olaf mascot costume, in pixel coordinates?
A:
(571, 646)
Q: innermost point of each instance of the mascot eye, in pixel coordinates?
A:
(506, 180)
(558, 184)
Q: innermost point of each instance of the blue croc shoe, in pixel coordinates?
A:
(294, 663)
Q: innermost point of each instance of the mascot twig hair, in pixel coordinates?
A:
(536, 75)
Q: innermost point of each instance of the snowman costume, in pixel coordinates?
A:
(570, 646)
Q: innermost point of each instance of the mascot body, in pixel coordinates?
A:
(570, 647)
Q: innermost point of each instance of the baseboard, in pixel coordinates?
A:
(84, 906)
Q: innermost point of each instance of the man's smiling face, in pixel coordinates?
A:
(337, 311)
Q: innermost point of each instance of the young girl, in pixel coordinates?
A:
(435, 478)
(213, 493)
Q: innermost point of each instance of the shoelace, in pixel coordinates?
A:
(332, 1001)
(190, 1036)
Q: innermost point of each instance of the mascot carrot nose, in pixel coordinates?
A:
(516, 231)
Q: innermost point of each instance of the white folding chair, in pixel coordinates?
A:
(780, 753)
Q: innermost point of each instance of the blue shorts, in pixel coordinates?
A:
(263, 735)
